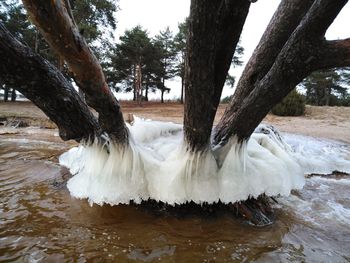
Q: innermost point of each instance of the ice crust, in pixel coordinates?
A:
(156, 165)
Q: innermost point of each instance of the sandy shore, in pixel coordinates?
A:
(323, 122)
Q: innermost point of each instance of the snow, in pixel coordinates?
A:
(156, 165)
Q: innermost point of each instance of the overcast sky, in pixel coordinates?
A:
(155, 15)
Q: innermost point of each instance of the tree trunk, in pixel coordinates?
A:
(6, 93)
(138, 84)
(46, 87)
(13, 95)
(60, 63)
(60, 31)
(182, 90)
(215, 28)
(285, 20)
(305, 51)
(162, 96)
(81, 94)
(36, 46)
(134, 83)
(146, 93)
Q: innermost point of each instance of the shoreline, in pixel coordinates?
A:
(332, 123)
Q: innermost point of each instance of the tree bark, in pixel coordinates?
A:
(284, 21)
(182, 90)
(146, 93)
(46, 87)
(303, 53)
(59, 30)
(162, 96)
(6, 93)
(13, 95)
(214, 31)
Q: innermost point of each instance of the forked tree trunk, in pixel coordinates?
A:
(305, 51)
(46, 87)
(284, 21)
(54, 19)
(214, 31)
(292, 47)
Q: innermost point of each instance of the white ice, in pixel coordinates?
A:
(156, 165)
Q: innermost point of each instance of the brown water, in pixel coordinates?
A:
(41, 222)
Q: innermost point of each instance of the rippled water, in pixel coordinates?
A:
(41, 222)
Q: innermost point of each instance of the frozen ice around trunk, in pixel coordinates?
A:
(156, 165)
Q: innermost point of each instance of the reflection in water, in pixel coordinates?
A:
(41, 222)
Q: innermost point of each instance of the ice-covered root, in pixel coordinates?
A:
(185, 176)
(157, 166)
(254, 211)
(257, 211)
(274, 135)
(144, 131)
(115, 176)
(258, 166)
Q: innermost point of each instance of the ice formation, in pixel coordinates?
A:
(157, 166)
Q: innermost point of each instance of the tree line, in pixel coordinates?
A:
(138, 63)
(329, 87)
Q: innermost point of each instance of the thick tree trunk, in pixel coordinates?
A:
(215, 28)
(304, 52)
(46, 87)
(59, 30)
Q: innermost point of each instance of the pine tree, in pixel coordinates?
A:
(180, 47)
(164, 41)
(135, 51)
(90, 17)
(327, 87)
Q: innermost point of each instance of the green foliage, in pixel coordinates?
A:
(328, 87)
(292, 105)
(236, 62)
(230, 80)
(13, 16)
(237, 57)
(135, 49)
(164, 42)
(180, 40)
(93, 17)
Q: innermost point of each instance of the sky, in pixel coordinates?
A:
(156, 15)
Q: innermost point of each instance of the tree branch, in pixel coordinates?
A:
(62, 34)
(301, 54)
(336, 53)
(46, 87)
(284, 21)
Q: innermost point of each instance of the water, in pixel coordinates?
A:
(41, 222)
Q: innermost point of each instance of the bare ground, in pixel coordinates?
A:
(325, 122)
